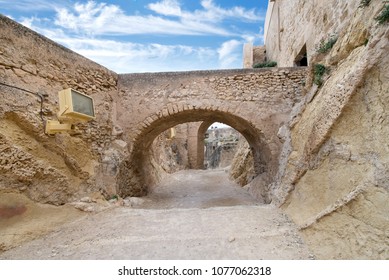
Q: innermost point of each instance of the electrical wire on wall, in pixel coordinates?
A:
(41, 97)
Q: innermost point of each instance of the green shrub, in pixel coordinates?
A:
(265, 64)
(383, 17)
(325, 46)
(318, 71)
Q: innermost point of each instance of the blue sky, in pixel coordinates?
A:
(129, 36)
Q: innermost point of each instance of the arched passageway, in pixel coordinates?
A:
(138, 172)
(254, 102)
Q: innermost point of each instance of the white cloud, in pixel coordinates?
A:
(229, 53)
(104, 19)
(98, 31)
(32, 21)
(27, 22)
(11, 17)
(209, 13)
(166, 7)
(127, 57)
(28, 5)
(107, 19)
(249, 38)
(213, 11)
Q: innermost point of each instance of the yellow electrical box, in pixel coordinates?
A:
(74, 107)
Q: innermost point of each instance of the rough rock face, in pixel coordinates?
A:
(171, 152)
(48, 169)
(333, 178)
(242, 165)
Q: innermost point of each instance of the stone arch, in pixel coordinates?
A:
(137, 172)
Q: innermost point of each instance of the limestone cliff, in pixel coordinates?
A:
(333, 178)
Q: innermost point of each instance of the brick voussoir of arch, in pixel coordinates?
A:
(154, 117)
(146, 122)
(178, 107)
(165, 112)
(170, 109)
(150, 120)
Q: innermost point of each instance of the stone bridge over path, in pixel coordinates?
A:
(256, 102)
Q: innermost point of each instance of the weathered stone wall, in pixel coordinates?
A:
(253, 55)
(220, 147)
(294, 23)
(248, 55)
(333, 179)
(259, 54)
(142, 95)
(201, 132)
(48, 169)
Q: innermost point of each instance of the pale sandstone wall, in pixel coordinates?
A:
(201, 130)
(254, 94)
(61, 168)
(259, 54)
(333, 179)
(293, 23)
(253, 55)
(248, 55)
(222, 143)
(195, 147)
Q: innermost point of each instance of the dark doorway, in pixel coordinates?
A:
(302, 58)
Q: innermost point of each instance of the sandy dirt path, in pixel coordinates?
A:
(190, 215)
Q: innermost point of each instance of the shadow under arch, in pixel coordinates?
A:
(137, 172)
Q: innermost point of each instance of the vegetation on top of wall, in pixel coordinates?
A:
(265, 64)
(383, 17)
(318, 71)
(325, 46)
(364, 3)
